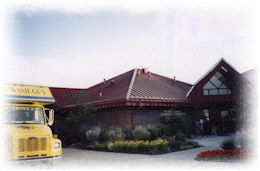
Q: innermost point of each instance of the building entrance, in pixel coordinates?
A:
(219, 121)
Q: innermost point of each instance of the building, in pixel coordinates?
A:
(140, 97)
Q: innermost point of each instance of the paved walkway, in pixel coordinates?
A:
(182, 159)
(87, 159)
(211, 140)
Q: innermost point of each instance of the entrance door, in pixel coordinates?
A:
(207, 126)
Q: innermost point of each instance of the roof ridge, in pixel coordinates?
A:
(131, 85)
(109, 79)
(209, 71)
(171, 79)
(213, 67)
(251, 70)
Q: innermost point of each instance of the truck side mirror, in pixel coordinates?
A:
(50, 118)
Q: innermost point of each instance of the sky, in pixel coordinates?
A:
(79, 45)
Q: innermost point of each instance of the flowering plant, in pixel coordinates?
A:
(159, 145)
(222, 155)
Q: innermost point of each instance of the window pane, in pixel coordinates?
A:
(209, 86)
(223, 91)
(205, 92)
(205, 111)
(224, 113)
(215, 81)
(223, 86)
(213, 92)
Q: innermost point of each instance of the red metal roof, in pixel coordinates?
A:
(150, 86)
(135, 85)
(61, 95)
(113, 89)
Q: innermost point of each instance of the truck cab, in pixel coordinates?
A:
(28, 123)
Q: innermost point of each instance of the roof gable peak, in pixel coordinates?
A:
(220, 64)
(221, 60)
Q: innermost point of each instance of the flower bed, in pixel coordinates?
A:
(222, 155)
(156, 146)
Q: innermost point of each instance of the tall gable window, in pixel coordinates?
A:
(217, 85)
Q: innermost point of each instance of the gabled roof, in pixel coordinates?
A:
(221, 64)
(220, 61)
(250, 75)
(134, 85)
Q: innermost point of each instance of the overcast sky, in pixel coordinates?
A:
(68, 45)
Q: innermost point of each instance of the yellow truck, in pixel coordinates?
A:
(27, 121)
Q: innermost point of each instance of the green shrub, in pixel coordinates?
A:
(229, 144)
(186, 147)
(178, 144)
(93, 134)
(180, 137)
(101, 146)
(114, 134)
(174, 124)
(141, 133)
(193, 143)
(141, 146)
(153, 131)
(164, 131)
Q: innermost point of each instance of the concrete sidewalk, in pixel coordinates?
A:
(182, 159)
(211, 140)
(87, 159)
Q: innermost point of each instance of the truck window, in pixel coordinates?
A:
(24, 115)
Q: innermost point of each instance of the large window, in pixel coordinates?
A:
(24, 114)
(217, 85)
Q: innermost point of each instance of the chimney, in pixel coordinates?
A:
(145, 70)
(104, 81)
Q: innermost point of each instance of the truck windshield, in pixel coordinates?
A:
(24, 115)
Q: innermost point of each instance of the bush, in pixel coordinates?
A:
(179, 140)
(153, 131)
(180, 137)
(141, 133)
(193, 143)
(93, 134)
(159, 145)
(114, 134)
(186, 147)
(174, 124)
(101, 146)
(164, 131)
(229, 144)
(178, 144)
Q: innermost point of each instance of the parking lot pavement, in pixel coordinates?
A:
(211, 141)
(75, 158)
(87, 159)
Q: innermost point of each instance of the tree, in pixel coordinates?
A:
(77, 118)
(81, 111)
(173, 125)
